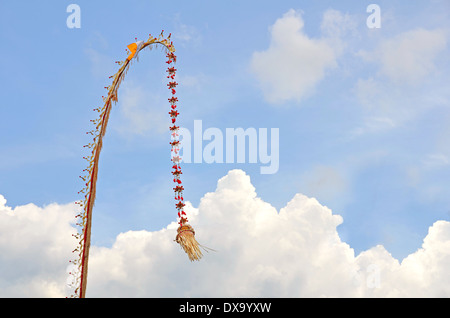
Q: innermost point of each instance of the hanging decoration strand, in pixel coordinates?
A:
(185, 232)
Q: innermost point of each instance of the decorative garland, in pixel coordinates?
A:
(185, 233)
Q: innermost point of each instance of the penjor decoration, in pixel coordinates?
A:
(185, 233)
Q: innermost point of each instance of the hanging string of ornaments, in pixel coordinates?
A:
(185, 233)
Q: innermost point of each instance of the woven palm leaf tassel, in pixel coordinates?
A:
(187, 241)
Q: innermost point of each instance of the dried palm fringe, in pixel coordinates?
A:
(187, 241)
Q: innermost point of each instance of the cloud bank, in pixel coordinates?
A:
(35, 247)
(260, 252)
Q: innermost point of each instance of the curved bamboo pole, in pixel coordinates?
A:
(84, 238)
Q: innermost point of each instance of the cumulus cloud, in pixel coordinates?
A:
(294, 63)
(294, 252)
(421, 274)
(35, 249)
(260, 252)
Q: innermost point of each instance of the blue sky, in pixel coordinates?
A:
(365, 131)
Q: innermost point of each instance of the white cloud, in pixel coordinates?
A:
(410, 56)
(421, 274)
(294, 252)
(294, 63)
(35, 248)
